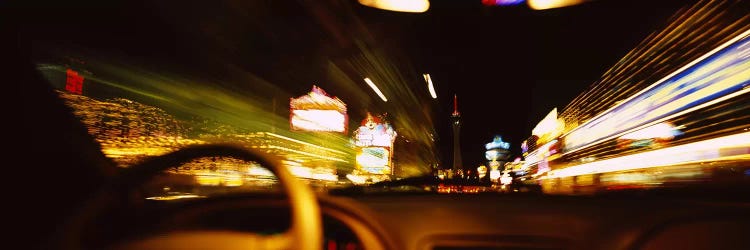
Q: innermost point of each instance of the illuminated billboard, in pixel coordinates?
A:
(374, 140)
(318, 120)
(317, 111)
(374, 160)
(373, 132)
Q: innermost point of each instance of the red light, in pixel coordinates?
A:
(73, 82)
(331, 245)
(488, 2)
(351, 246)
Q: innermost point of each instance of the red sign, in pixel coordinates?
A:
(74, 82)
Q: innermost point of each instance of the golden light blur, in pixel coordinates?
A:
(551, 4)
(153, 114)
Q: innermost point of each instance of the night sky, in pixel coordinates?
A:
(509, 66)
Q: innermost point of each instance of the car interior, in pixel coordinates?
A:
(81, 200)
(380, 221)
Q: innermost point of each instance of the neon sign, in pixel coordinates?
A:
(375, 142)
(374, 160)
(374, 133)
(317, 111)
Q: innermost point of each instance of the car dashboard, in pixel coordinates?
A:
(559, 222)
(478, 221)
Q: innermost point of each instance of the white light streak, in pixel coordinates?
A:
(416, 6)
(683, 68)
(377, 90)
(430, 86)
(712, 149)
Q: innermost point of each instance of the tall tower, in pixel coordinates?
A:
(456, 123)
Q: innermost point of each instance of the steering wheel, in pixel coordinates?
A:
(305, 231)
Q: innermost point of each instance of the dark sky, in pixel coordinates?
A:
(509, 66)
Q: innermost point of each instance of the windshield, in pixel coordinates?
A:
(554, 97)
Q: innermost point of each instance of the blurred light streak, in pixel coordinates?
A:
(412, 115)
(154, 113)
(306, 153)
(430, 86)
(416, 6)
(600, 125)
(502, 2)
(543, 152)
(550, 4)
(737, 145)
(690, 33)
(301, 142)
(174, 197)
(659, 130)
(715, 101)
(376, 89)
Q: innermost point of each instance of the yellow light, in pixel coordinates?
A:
(377, 90)
(174, 197)
(307, 144)
(306, 153)
(550, 4)
(416, 6)
(233, 180)
(430, 87)
(208, 180)
(356, 179)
